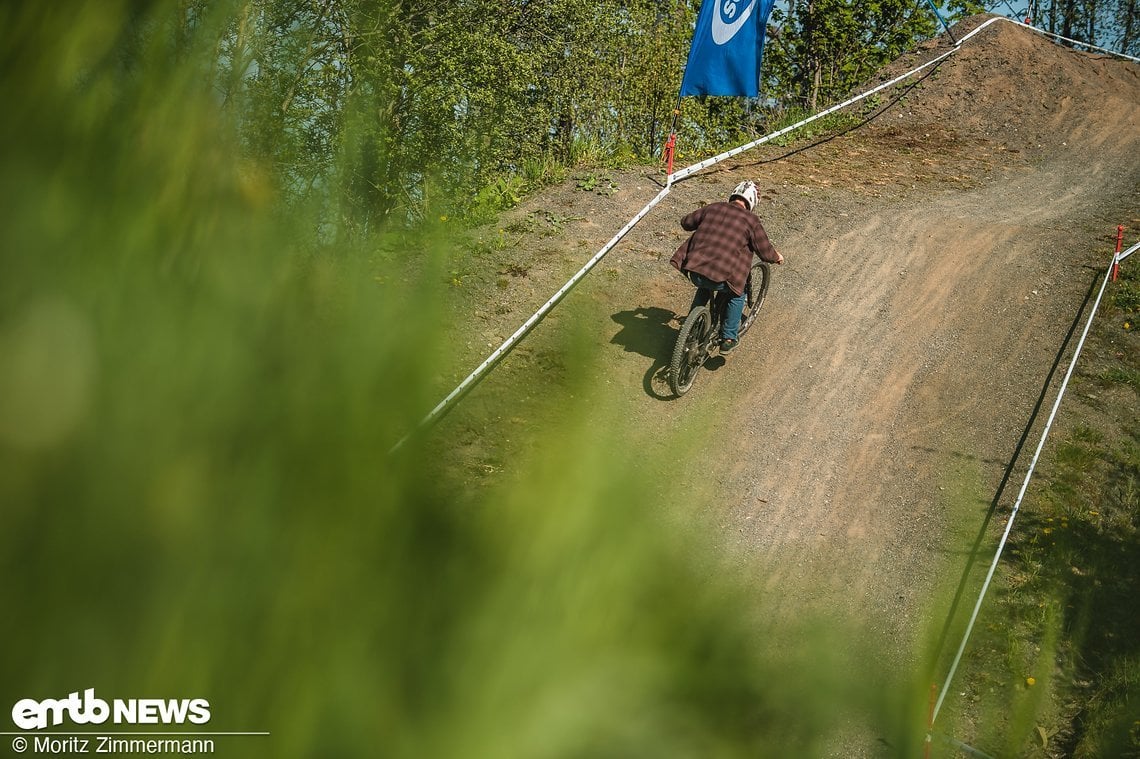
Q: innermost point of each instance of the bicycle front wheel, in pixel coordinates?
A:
(757, 290)
(691, 350)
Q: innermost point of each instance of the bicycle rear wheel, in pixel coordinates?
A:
(691, 350)
(757, 290)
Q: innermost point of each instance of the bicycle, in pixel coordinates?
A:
(699, 338)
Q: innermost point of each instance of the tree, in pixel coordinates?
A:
(826, 48)
(1128, 18)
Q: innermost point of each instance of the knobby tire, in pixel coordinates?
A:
(757, 291)
(689, 352)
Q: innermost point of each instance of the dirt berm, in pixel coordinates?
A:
(937, 256)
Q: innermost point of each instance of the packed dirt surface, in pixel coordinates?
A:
(937, 256)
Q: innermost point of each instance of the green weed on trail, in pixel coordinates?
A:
(196, 499)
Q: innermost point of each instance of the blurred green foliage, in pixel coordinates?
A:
(201, 375)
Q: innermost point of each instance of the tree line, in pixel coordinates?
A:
(1114, 24)
(393, 110)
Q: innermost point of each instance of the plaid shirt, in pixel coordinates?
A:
(724, 238)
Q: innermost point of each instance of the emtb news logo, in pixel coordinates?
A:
(29, 714)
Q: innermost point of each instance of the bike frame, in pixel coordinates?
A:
(699, 337)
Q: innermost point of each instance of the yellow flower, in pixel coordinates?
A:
(1031, 681)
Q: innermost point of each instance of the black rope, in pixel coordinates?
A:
(860, 125)
(1061, 352)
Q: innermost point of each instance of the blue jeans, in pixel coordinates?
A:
(730, 330)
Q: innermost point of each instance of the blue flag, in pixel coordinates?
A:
(728, 44)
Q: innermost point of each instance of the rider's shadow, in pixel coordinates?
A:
(650, 332)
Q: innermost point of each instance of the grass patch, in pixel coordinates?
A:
(597, 183)
(829, 125)
(1054, 665)
(1118, 375)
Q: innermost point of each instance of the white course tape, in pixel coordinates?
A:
(530, 323)
(500, 352)
(681, 174)
(1020, 495)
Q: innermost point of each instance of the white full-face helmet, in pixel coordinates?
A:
(746, 191)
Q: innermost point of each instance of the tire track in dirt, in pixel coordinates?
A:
(937, 259)
(897, 355)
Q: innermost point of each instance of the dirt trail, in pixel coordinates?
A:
(937, 257)
(900, 364)
(904, 345)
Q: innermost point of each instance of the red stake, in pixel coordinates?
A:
(669, 147)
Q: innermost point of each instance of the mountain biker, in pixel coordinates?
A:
(718, 255)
